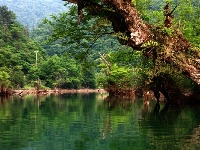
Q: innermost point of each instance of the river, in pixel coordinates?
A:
(93, 122)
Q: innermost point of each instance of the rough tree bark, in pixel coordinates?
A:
(170, 48)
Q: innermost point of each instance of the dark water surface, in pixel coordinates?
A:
(91, 122)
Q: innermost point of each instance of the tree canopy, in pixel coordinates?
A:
(159, 37)
(140, 35)
(116, 44)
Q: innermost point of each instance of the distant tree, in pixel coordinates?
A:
(6, 17)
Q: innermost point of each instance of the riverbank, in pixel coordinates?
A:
(56, 91)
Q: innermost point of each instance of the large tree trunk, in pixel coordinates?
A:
(166, 47)
(176, 50)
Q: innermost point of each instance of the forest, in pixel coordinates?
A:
(30, 13)
(83, 48)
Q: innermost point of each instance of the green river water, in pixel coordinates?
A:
(92, 122)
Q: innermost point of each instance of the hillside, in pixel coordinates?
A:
(30, 12)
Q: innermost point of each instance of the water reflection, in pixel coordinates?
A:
(76, 121)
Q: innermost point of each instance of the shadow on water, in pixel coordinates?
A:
(164, 125)
(118, 103)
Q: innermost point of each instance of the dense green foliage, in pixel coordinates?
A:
(40, 35)
(69, 55)
(23, 62)
(16, 49)
(122, 72)
(88, 40)
(124, 69)
(186, 16)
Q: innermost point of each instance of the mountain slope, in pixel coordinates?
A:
(30, 12)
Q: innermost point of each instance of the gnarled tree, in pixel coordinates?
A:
(162, 44)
